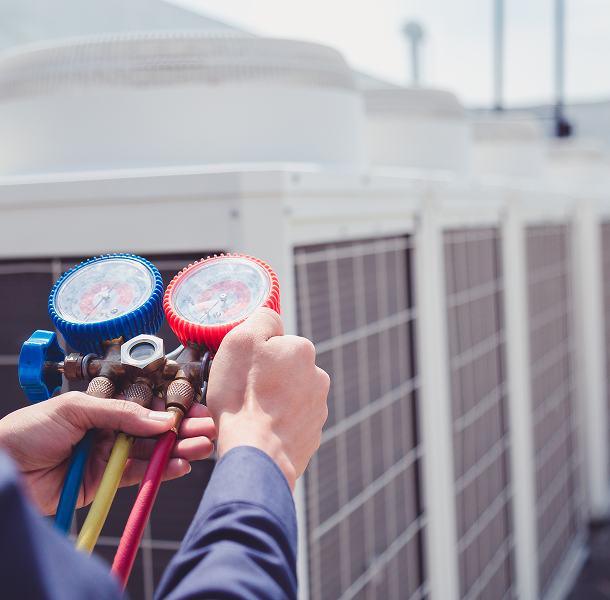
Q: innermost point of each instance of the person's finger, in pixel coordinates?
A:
(87, 412)
(195, 427)
(142, 449)
(198, 411)
(135, 470)
(293, 346)
(196, 448)
(261, 325)
(176, 467)
(197, 422)
(193, 449)
(157, 403)
(323, 382)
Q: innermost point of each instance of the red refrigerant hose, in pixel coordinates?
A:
(134, 530)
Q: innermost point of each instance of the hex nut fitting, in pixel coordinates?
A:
(143, 354)
(73, 367)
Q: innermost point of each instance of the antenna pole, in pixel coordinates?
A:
(414, 34)
(562, 127)
(498, 53)
(415, 62)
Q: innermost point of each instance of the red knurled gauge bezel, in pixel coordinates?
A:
(212, 335)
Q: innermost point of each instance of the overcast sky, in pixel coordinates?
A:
(457, 51)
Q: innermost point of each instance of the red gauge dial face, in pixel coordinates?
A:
(221, 291)
(226, 299)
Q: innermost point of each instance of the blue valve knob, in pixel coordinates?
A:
(41, 347)
(105, 298)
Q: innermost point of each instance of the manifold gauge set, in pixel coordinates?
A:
(109, 309)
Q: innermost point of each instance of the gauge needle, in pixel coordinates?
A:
(104, 297)
(224, 295)
(220, 299)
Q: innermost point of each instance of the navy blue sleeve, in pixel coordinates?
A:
(38, 563)
(242, 543)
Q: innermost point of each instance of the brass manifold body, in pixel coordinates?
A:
(140, 369)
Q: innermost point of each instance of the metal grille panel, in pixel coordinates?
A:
(27, 285)
(480, 421)
(556, 461)
(364, 509)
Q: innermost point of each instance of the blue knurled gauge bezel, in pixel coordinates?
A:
(88, 337)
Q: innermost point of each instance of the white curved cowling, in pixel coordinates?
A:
(176, 98)
(515, 148)
(413, 127)
(579, 162)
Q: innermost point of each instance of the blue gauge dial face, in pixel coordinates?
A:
(221, 291)
(103, 290)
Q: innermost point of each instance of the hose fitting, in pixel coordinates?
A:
(179, 399)
(140, 392)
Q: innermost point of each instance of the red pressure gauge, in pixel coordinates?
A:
(209, 298)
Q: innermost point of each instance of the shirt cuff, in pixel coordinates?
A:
(247, 474)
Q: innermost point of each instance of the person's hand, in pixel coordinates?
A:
(41, 437)
(266, 391)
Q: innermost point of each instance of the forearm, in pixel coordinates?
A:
(242, 542)
(35, 561)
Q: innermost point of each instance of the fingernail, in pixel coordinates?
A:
(190, 469)
(157, 415)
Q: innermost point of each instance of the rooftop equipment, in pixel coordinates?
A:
(582, 162)
(176, 98)
(513, 148)
(414, 127)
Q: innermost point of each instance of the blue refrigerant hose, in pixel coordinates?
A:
(99, 387)
(72, 483)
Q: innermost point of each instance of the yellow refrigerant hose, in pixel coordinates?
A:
(105, 494)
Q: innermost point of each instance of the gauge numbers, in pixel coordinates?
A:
(221, 291)
(104, 290)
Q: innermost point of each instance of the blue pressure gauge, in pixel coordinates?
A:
(106, 298)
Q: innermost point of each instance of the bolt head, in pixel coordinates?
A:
(143, 354)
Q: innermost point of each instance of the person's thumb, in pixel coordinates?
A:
(87, 412)
(260, 326)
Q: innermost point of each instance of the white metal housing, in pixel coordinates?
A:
(512, 148)
(581, 164)
(267, 213)
(417, 128)
(176, 98)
